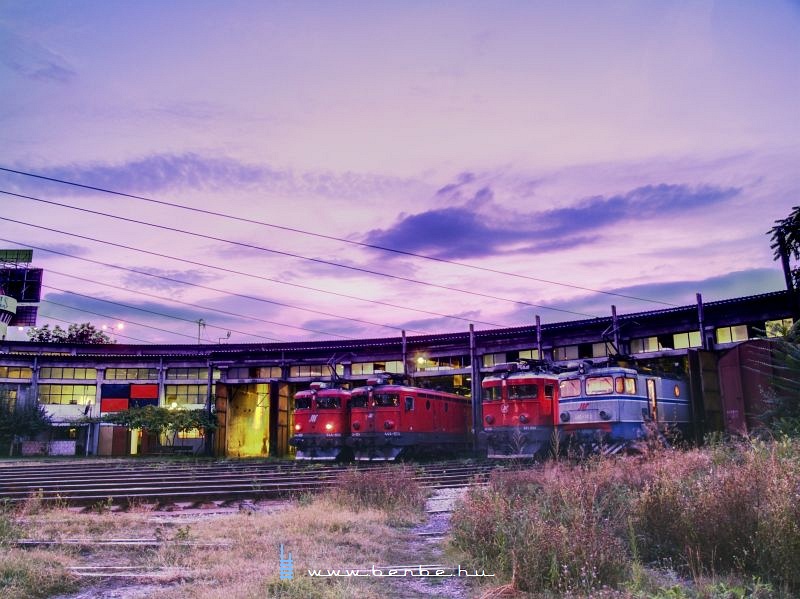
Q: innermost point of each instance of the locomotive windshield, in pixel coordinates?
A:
(359, 400)
(492, 393)
(599, 385)
(329, 403)
(626, 385)
(302, 403)
(523, 392)
(386, 400)
(570, 388)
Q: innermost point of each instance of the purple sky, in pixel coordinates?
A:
(638, 148)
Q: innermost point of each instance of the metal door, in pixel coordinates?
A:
(652, 399)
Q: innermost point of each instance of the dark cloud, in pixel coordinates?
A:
(32, 60)
(157, 283)
(463, 179)
(475, 229)
(680, 293)
(96, 310)
(163, 171)
(190, 170)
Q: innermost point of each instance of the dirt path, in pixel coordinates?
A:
(425, 547)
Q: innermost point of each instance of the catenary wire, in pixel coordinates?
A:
(198, 285)
(116, 333)
(330, 237)
(318, 260)
(154, 312)
(260, 277)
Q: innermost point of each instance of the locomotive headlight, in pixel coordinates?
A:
(297, 427)
(356, 426)
(523, 418)
(329, 426)
(564, 416)
(388, 424)
(489, 419)
(605, 415)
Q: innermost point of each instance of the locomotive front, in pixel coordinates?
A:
(520, 411)
(320, 423)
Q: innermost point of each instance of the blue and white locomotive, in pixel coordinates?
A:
(614, 406)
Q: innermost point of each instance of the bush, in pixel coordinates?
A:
(738, 515)
(730, 510)
(547, 530)
(394, 490)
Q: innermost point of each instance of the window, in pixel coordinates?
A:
(67, 394)
(548, 392)
(523, 392)
(386, 400)
(191, 374)
(778, 328)
(302, 402)
(329, 403)
(59, 372)
(193, 433)
(626, 385)
(409, 403)
(448, 363)
(685, 340)
(364, 368)
(529, 354)
(732, 334)
(645, 344)
(359, 400)
(570, 387)
(140, 374)
(492, 393)
(567, 352)
(308, 370)
(490, 360)
(180, 395)
(15, 372)
(599, 385)
(599, 350)
(254, 372)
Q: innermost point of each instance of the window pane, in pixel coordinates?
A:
(599, 385)
(570, 388)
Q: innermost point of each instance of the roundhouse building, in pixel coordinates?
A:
(249, 386)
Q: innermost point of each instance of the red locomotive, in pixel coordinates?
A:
(520, 411)
(321, 422)
(389, 419)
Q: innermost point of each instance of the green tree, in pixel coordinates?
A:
(785, 244)
(76, 333)
(20, 419)
(783, 396)
(163, 421)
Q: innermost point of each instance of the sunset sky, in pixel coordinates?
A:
(549, 158)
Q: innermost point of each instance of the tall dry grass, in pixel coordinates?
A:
(729, 510)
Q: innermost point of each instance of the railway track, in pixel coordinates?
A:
(195, 484)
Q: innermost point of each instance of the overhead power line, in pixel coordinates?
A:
(139, 324)
(290, 254)
(330, 237)
(260, 277)
(189, 283)
(154, 312)
(116, 334)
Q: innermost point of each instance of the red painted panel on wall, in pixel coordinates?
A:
(144, 391)
(113, 405)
